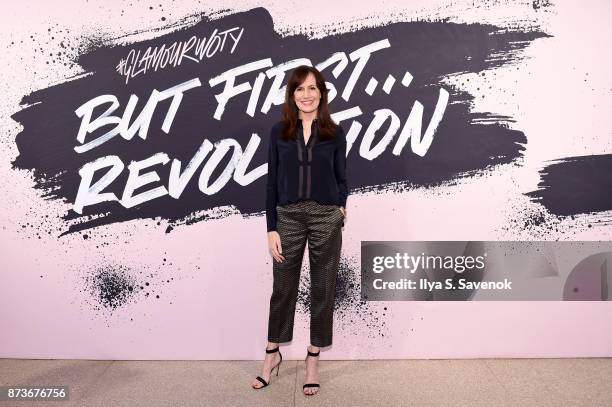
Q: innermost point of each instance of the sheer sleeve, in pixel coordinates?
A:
(340, 166)
(271, 189)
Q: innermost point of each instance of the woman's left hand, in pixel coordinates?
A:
(343, 210)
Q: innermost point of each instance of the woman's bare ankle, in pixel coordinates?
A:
(313, 349)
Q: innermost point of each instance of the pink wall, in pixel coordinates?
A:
(215, 283)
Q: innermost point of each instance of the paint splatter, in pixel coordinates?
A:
(540, 4)
(112, 287)
(352, 315)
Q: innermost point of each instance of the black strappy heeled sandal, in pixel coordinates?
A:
(311, 384)
(271, 370)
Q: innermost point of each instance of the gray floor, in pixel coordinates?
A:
(479, 382)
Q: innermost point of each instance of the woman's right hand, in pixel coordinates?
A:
(274, 246)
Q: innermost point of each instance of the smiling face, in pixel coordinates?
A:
(307, 96)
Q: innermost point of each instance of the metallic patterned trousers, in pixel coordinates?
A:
(320, 226)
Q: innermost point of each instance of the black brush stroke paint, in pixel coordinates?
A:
(465, 142)
(576, 185)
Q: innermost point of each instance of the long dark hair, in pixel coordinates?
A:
(325, 126)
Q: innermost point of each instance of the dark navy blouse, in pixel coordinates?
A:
(299, 171)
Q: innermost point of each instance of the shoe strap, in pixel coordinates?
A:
(272, 350)
(265, 383)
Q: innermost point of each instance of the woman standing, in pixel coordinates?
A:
(306, 202)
